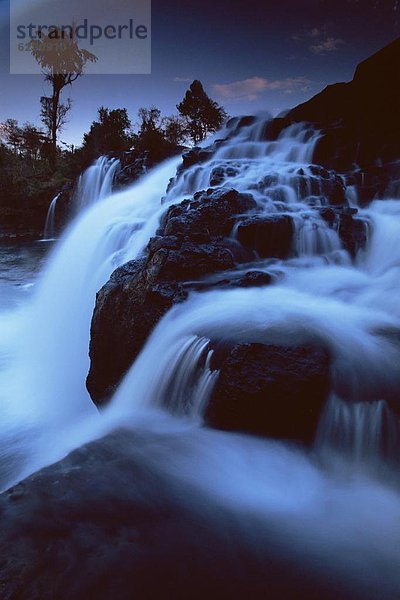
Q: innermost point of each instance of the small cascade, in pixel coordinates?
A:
(93, 185)
(249, 163)
(313, 237)
(363, 432)
(186, 388)
(50, 225)
(96, 182)
(359, 339)
(280, 176)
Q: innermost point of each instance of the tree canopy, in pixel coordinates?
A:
(110, 133)
(202, 114)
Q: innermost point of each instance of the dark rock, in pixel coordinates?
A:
(220, 174)
(268, 236)
(328, 214)
(132, 167)
(353, 233)
(110, 521)
(254, 279)
(269, 181)
(233, 280)
(217, 176)
(213, 213)
(360, 120)
(127, 309)
(190, 244)
(334, 190)
(274, 128)
(239, 122)
(271, 390)
(195, 156)
(190, 261)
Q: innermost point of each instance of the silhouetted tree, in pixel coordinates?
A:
(4, 156)
(111, 133)
(149, 119)
(33, 140)
(54, 121)
(11, 134)
(149, 142)
(175, 130)
(202, 114)
(26, 141)
(62, 62)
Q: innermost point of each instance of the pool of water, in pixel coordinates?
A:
(19, 267)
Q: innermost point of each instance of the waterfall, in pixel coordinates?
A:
(313, 237)
(49, 228)
(249, 163)
(322, 295)
(326, 302)
(341, 523)
(93, 185)
(45, 347)
(96, 182)
(323, 298)
(58, 320)
(360, 430)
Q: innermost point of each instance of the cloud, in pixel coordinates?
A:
(318, 40)
(315, 32)
(183, 79)
(250, 89)
(329, 44)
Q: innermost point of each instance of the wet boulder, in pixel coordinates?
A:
(212, 213)
(113, 519)
(136, 297)
(272, 391)
(352, 230)
(196, 156)
(353, 233)
(127, 309)
(190, 244)
(269, 236)
(221, 173)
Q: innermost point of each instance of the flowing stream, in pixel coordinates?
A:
(342, 498)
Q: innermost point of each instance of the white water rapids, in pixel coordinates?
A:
(338, 507)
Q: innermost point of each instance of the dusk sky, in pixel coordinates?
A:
(252, 55)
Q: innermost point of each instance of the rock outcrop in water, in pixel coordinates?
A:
(192, 242)
(219, 237)
(109, 522)
(270, 390)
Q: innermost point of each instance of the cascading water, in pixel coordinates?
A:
(321, 295)
(341, 307)
(49, 227)
(96, 182)
(93, 185)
